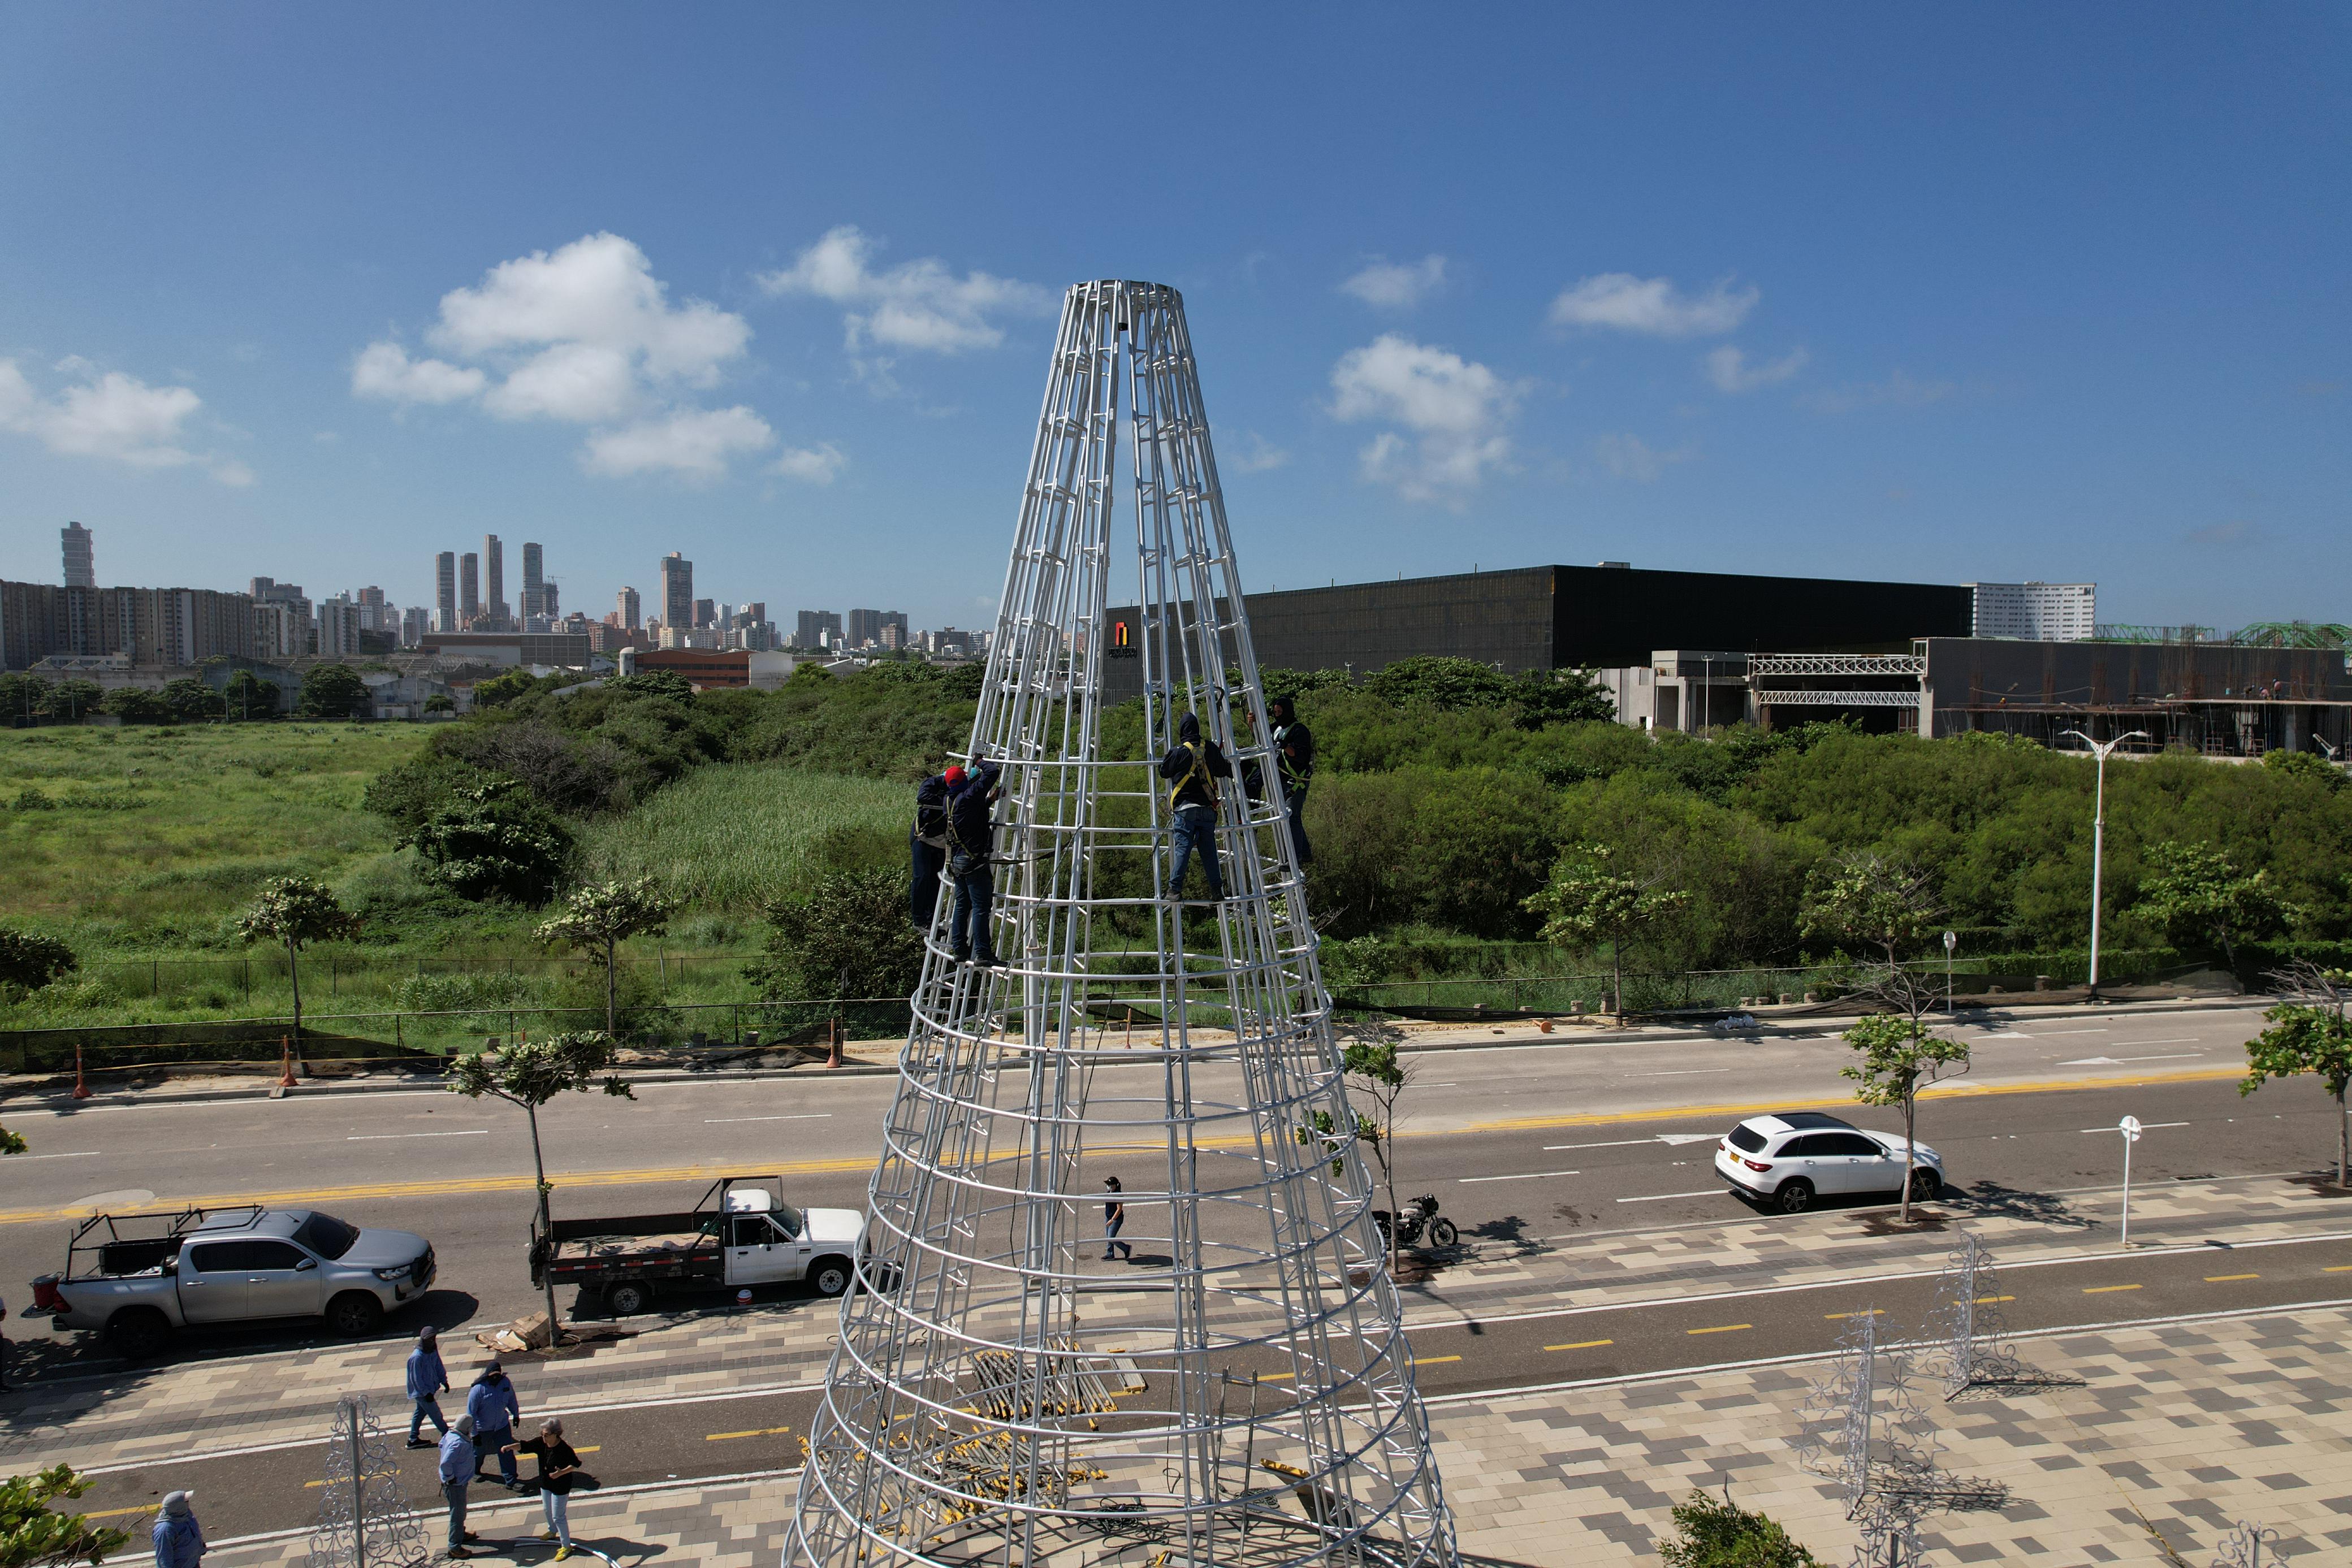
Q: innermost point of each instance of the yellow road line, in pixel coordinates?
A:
(757, 1432)
(1872, 1313)
(1986, 1301)
(1726, 1328)
(1582, 1344)
(2336, 1268)
(659, 1173)
(2104, 1290)
(1433, 1360)
(118, 1513)
(1275, 1376)
(2223, 1278)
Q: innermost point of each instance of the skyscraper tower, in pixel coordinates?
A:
(494, 568)
(626, 603)
(469, 590)
(533, 574)
(1239, 1391)
(444, 590)
(82, 558)
(676, 591)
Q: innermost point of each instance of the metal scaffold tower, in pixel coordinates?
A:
(1239, 1390)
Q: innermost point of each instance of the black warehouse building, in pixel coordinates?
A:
(1555, 617)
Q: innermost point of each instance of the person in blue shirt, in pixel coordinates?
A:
(971, 828)
(926, 845)
(179, 1538)
(459, 1464)
(492, 1402)
(426, 1378)
(1193, 768)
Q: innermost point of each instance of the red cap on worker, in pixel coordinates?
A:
(954, 777)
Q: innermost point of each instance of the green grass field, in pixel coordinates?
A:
(139, 839)
(141, 847)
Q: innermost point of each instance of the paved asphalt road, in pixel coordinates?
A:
(1567, 1139)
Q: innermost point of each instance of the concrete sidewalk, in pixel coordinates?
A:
(179, 1407)
(2154, 1441)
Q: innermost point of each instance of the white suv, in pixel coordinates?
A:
(1790, 1159)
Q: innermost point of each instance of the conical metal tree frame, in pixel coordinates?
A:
(1240, 1391)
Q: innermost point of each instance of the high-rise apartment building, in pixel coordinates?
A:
(415, 623)
(494, 583)
(818, 629)
(444, 590)
(469, 590)
(676, 591)
(2036, 612)
(534, 575)
(81, 557)
(626, 603)
(550, 601)
(706, 612)
(338, 628)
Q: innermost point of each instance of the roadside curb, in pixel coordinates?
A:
(1767, 1028)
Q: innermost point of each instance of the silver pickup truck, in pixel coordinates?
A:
(139, 1278)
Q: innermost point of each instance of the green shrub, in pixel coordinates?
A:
(1712, 1534)
(494, 842)
(31, 960)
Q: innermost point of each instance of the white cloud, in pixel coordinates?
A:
(1729, 369)
(916, 305)
(1393, 286)
(1651, 306)
(696, 444)
(1258, 455)
(819, 465)
(385, 370)
(583, 335)
(1631, 458)
(1453, 412)
(112, 416)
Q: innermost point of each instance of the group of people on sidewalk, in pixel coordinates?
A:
(488, 1426)
(955, 825)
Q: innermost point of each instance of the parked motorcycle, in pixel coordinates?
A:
(1421, 1217)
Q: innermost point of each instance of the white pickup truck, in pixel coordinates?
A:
(138, 1279)
(742, 1233)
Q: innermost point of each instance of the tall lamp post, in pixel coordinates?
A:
(2099, 835)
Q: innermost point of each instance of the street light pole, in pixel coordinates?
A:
(2099, 835)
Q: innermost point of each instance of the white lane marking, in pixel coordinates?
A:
(1679, 1073)
(379, 1137)
(2053, 1033)
(2144, 1125)
(1679, 1138)
(1523, 1175)
(2005, 1034)
(803, 1116)
(1618, 1144)
(73, 1155)
(1662, 1197)
(2168, 1040)
(2119, 1060)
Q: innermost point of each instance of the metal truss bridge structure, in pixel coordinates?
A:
(1239, 1390)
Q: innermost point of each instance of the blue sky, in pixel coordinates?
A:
(1990, 292)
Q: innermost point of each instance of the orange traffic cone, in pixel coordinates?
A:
(832, 1045)
(81, 1084)
(286, 1055)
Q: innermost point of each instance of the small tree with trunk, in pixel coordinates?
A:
(2198, 893)
(2309, 1033)
(1375, 1071)
(31, 1532)
(1902, 1054)
(296, 911)
(1592, 901)
(1862, 899)
(529, 1073)
(1711, 1534)
(599, 917)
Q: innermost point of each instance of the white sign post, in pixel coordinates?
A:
(2129, 1128)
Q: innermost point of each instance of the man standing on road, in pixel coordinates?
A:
(179, 1538)
(1114, 1220)
(459, 1464)
(492, 1403)
(558, 1464)
(426, 1378)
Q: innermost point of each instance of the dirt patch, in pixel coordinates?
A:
(1887, 1222)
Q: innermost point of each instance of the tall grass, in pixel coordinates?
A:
(735, 836)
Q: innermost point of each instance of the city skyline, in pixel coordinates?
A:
(1784, 302)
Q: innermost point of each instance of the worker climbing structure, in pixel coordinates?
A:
(1239, 1389)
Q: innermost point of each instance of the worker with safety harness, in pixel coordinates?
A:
(971, 831)
(926, 843)
(1294, 751)
(1192, 769)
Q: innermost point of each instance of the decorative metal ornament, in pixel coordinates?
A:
(1865, 1429)
(1968, 1322)
(1237, 1388)
(2243, 1546)
(364, 1516)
